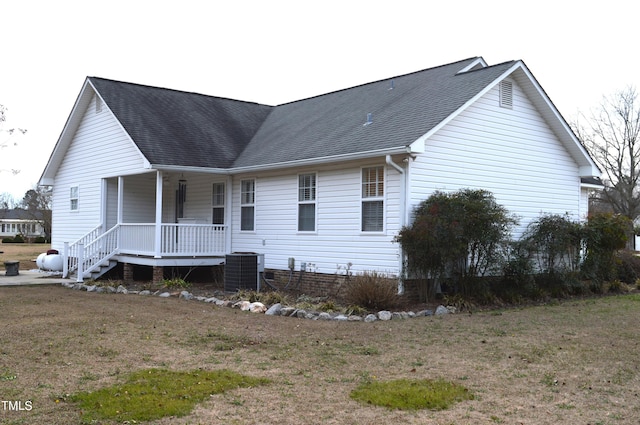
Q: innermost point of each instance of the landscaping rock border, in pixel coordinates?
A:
(274, 310)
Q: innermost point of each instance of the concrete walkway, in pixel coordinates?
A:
(31, 277)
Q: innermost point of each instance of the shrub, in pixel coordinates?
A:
(627, 266)
(555, 242)
(176, 283)
(372, 290)
(459, 235)
(604, 235)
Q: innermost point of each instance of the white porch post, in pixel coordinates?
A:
(229, 215)
(158, 235)
(120, 199)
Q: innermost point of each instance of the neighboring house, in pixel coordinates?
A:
(20, 222)
(159, 177)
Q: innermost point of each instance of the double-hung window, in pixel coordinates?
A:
(217, 203)
(372, 199)
(247, 204)
(307, 202)
(73, 198)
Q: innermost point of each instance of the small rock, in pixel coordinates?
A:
(257, 307)
(370, 318)
(341, 318)
(164, 295)
(211, 300)
(111, 290)
(354, 318)
(324, 316)
(79, 287)
(274, 310)
(200, 298)
(384, 315)
(411, 314)
(145, 292)
(221, 303)
(91, 288)
(100, 289)
(441, 310)
(396, 315)
(300, 314)
(242, 305)
(122, 290)
(287, 311)
(186, 295)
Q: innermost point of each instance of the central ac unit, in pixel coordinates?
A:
(243, 271)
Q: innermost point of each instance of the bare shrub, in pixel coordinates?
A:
(372, 290)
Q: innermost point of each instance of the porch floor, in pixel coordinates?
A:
(186, 261)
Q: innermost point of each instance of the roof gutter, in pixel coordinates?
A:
(286, 164)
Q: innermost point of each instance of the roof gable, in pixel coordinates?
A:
(175, 128)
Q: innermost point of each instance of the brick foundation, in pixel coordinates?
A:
(127, 273)
(158, 274)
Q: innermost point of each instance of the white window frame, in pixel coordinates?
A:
(218, 201)
(378, 196)
(248, 202)
(308, 199)
(74, 197)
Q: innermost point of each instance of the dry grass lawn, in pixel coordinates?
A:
(569, 363)
(26, 253)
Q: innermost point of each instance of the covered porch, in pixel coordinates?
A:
(156, 219)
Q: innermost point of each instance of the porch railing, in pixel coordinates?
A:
(176, 240)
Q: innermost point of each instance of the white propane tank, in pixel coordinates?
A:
(53, 262)
(40, 260)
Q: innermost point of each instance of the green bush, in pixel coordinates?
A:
(627, 266)
(16, 239)
(554, 240)
(458, 236)
(373, 291)
(604, 235)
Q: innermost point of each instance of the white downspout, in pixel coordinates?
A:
(403, 207)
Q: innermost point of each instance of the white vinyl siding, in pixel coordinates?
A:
(338, 238)
(99, 149)
(511, 152)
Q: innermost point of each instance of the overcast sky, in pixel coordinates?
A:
(274, 52)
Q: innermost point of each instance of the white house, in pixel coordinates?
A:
(18, 221)
(158, 177)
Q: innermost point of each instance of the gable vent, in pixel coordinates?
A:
(506, 94)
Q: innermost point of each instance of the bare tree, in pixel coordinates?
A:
(612, 137)
(37, 203)
(5, 139)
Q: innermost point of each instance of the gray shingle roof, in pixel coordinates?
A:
(178, 128)
(187, 129)
(333, 124)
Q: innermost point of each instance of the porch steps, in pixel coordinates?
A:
(101, 270)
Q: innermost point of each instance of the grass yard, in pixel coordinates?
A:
(568, 363)
(26, 253)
